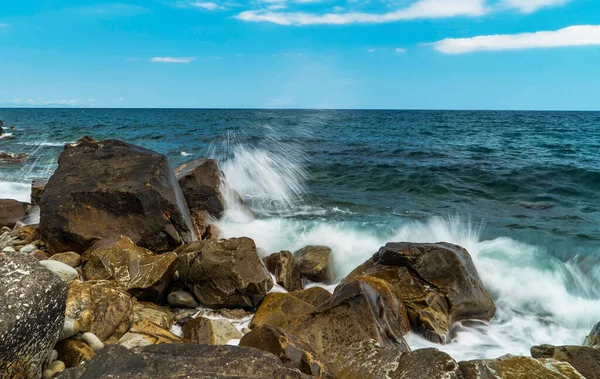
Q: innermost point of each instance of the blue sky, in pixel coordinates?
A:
(392, 54)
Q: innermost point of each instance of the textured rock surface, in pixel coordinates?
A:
(175, 361)
(136, 269)
(69, 258)
(161, 316)
(584, 359)
(145, 333)
(314, 295)
(100, 307)
(32, 312)
(72, 352)
(111, 188)
(280, 309)
(37, 189)
(510, 367)
(224, 273)
(593, 339)
(283, 266)
(200, 181)
(210, 332)
(314, 263)
(67, 273)
(438, 283)
(11, 211)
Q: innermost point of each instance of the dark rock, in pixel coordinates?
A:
(584, 359)
(11, 211)
(593, 339)
(111, 188)
(313, 295)
(224, 273)
(200, 181)
(37, 189)
(292, 351)
(32, 313)
(280, 309)
(13, 157)
(142, 273)
(438, 283)
(174, 361)
(314, 263)
(510, 367)
(72, 352)
(283, 266)
(182, 299)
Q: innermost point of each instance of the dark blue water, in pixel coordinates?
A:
(520, 190)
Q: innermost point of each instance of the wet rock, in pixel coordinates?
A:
(6, 240)
(291, 350)
(210, 332)
(314, 295)
(32, 311)
(70, 328)
(280, 309)
(204, 224)
(39, 255)
(283, 266)
(28, 249)
(182, 299)
(56, 367)
(136, 269)
(438, 283)
(593, 339)
(37, 189)
(72, 352)
(92, 341)
(314, 263)
(172, 361)
(584, 359)
(69, 258)
(11, 211)
(111, 188)
(200, 181)
(100, 307)
(224, 273)
(511, 367)
(28, 233)
(67, 273)
(144, 333)
(154, 313)
(13, 157)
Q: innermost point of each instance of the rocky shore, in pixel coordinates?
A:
(126, 277)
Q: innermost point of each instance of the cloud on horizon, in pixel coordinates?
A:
(173, 59)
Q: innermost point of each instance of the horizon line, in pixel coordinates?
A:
(304, 109)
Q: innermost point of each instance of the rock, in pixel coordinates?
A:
(174, 361)
(70, 258)
(510, 367)
(11, 211)
(314, 263)
(72, 352)
(70, 328)
(200, 181)
(283, 266)
(92, 341)
(210, 332)
(313, 295)
(6, 240)
(28, 249)
(291, 350)
(438, 283)
(584, 359)
(161, 316)
(67, 273)
(56, 367)
(32, 311)
(203, 222)
(361, 310)
(9, 249)
(28, 233)
(111, 188)
(593, 339)
(37, 189)
(39, 255)
(52, 356)
(144, 333)
(13, 157)
(100, 307)
(143, 274)
(47, 374)
(182, 299)
(224, 273)
(280, 309)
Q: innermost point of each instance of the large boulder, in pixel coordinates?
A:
(200, 181)
(280, 309)
(438, 283)
(37, 189)
(283, 266)
(313, 295)
(111, 188)
(11, 211)
(174, 361)
(142, 273)
(584, 359)
(32, 313)
(511, 367)
(224, 273)
(314, 263)
(160, 316)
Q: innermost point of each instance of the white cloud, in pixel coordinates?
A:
(579, 35)
(400, 50)
(206, 5)
(172, 60)
(529, 6)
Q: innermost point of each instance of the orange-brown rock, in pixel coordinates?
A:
(206, 331)
(11, 211)
(72, 352)
(283, 266)
(314, 263)
(69, 258)
(280, 309)
(313, 295)
(161, 316)
(144, 333)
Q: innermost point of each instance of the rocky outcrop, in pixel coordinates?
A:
(280, 309)
(37, 189)
(200, 181)
(313, 295)
(283, 266)
(593, 339)
(584, 359)
(32, 312)
(174, 361)
(111, 188)
(11, 212)
(210, 332)
(224, 273)
(142, 273)
(145, 333)
(510, 367)
(13, 157)
(314, 263)
(438, 283)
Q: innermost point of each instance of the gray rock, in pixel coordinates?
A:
(182, 299)
(6, 240)
(92, 341)
(28, 249)
(593, 339)
(70, 328)
(32, 311)
(314, 263)
(64, 271)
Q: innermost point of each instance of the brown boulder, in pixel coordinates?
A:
(11, 211)
(200, 181)
(111, 188)
(210, 332)
(13, 157)
(161, 316)
(511, 367)
(313, 295)
(438, 283)
(144, 333)
(314, 263)
(69, 258)
(280, 309)
(139, 271)
(593, 339)
(100, 307)
(72, 352)
(37, 189)
(224, 273)
(584, 359)
(283, 266)
(292, 351)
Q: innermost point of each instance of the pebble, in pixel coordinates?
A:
(47, 374)
(182, 299)
(69, 258)
(66, 272)
(8, 249)
(52, 356)
(6, 229)
(92, 341)
(70, 328)
(56, 367)
(39, 255)
(28, 249)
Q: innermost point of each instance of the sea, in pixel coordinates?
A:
(519, 190)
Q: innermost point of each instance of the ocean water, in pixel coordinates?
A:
(519, 190)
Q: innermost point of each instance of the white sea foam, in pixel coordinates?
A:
(15, 190)
(184, 154)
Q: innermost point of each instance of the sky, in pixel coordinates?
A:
(380, 54)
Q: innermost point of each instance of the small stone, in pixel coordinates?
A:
(56, 367)
(70, 328)
(52, 356)
(8, 249)
(6, 229)
(92, 341)
(39, 255)
(47, 374)
(28, 249)
(184, 316)
(67, 273)
(245, 330)
(69, 258)
(205, 331)
(182, 299)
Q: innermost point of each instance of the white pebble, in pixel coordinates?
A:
(70, 328)
(28, 249)
(66, 272)
(92, 341)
